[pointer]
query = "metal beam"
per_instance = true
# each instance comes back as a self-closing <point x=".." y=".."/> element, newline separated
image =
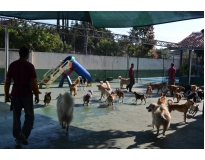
<point x="91" y="32"/>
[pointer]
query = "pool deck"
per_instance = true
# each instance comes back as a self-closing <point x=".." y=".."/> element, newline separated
<point x="127" y="126"/>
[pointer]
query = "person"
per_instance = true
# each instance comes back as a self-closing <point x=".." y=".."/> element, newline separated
<point x="25" y="81"/>
<point x="171" y="75"/>
<point x="132" y="79"/>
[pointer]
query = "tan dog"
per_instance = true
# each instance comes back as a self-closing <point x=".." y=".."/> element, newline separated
<point x="180" y="107"/>
<point x="158" y="86"/>
<point x="104" y="89"/>
<point x="160" y="116"/>
<point x="124" y="81"/>
<point x="149" y="91"/>
<point x="111" y="98"/>
<point x="120" y="94"/>
<point x="73" y="89"/>
<point x="140" y="96"/>
<point x="161" y="100"/>
<point x="178" y="96"/>
<point x="174" y="88"/>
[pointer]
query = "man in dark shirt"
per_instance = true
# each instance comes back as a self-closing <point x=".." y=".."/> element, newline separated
<point x="131" y="76"/>
<point x="25" y="80"/>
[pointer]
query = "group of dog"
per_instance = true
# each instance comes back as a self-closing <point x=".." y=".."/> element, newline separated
<point x="161" y="114"/>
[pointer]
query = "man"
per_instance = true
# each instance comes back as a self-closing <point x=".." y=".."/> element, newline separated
<point x="131" y="76"/>
<point x="171" y="75"/>
<point x="25" y="80"/>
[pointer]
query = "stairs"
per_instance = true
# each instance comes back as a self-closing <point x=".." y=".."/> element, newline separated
<point x="50" y="76"/>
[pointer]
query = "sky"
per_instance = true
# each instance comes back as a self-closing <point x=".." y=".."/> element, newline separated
<point x="170" y="32"/>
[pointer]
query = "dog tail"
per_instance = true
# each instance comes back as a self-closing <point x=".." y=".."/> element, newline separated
<point x="170" y="101"/>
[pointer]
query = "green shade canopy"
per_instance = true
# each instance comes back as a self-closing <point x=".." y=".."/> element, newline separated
<point x="110" y="19"/>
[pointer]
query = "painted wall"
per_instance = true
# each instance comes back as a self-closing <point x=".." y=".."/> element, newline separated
<point x="98" y="66"/>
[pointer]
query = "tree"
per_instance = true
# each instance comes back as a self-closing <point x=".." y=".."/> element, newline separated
<point x="143" y="50"/>
<point x="163" y="53"/>
<point x="41" y="38"/>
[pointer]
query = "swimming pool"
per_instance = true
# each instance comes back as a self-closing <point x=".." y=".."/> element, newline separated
<point x="158" y="79"/>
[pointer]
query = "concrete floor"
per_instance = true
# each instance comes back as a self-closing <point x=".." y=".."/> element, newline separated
<point x="127" y="126"/>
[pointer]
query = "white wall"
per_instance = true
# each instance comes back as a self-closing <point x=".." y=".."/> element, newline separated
<point x="43" y="60"/>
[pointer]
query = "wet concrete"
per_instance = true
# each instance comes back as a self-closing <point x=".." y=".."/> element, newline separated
<point x="127" y="126"/>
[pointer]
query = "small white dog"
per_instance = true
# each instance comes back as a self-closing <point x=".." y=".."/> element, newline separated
<point x="83" y="83"/>
<point x="65" y="110"/>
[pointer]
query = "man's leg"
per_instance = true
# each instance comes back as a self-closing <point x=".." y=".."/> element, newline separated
<point x="131" y="84"/>
<point x="17" y="107"/>
<point x="29" y="116"/>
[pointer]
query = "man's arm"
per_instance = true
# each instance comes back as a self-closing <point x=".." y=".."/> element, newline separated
<point x="34" y="86"/>
<point x="6" y="89"/>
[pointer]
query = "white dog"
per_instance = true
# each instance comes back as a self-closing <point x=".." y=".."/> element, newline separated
<point x="83" y="83"/>
<point x="65" y="110"/>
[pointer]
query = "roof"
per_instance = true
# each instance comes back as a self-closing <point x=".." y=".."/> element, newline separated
<point x="194" y="41"/>
<point x="110" y="19"/>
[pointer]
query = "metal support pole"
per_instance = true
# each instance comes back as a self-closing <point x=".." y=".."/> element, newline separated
<point x="6" y="50"/>
<point x="190" y="62"/>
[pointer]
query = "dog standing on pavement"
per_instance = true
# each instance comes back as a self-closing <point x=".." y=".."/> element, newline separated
<point x="83" y="82"/>
<point x="87" y="97"/>
<point x="139" y="96"/>
<point x="160" y="116"/>
<point x="124" y="81"/>
<point x="180" y="107"/>
<point x="120" y="94"/>
<point x="149" y="91"/>
<point x="47" y="98"/>
<point x="65" y="109"/>
<point x="178" y="96"/>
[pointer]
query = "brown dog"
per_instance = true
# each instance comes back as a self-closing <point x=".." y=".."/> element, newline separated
<point x="180" y="107"/>
<point x="120" y="94"/>
<point x="160" y="116"/>
<point x="178" y="96"/>
<point x="174" y="88"/>
<point x="161" y="100"/>
<point x="111" y="98"/>
<point x="73" y="89"/>
<point x="158" y="86"/>
<point x="140" y="96"/>
<point x="149" y="91"/>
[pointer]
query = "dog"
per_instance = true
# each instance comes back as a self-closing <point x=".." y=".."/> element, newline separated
<point x="161" y="100"/>
<point x="87" y="97"/>
<point x="139" y="96"/>
<point x="120" y="94"/>
<point x="65" y="109"/>
<point x="174" y="89"/>
<point x="194" y="96"/>
<point x="105" y="89"/>
<point x="47" y="98"/>
<point x="111" y="98"/>
<point x="180" y="107"/>
<point x="158" y="86"/>
<point x="149" y="91"/>
<point x="73" y="89"/>
<point x="83" y="82"/>
<point x="194" y="109"/>
<point x="124" y="81"/>
<point x="160" y="117"/>
<point x="178" y="96"/>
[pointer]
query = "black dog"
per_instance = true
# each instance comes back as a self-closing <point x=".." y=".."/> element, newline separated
<point x="47" y="98"/>
<point x="82" y="83"/>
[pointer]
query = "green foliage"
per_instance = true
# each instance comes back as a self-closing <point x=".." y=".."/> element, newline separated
<point x="163" y="53"/>
<point x="40" y="38"/>
<point x="184" y="68"/>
